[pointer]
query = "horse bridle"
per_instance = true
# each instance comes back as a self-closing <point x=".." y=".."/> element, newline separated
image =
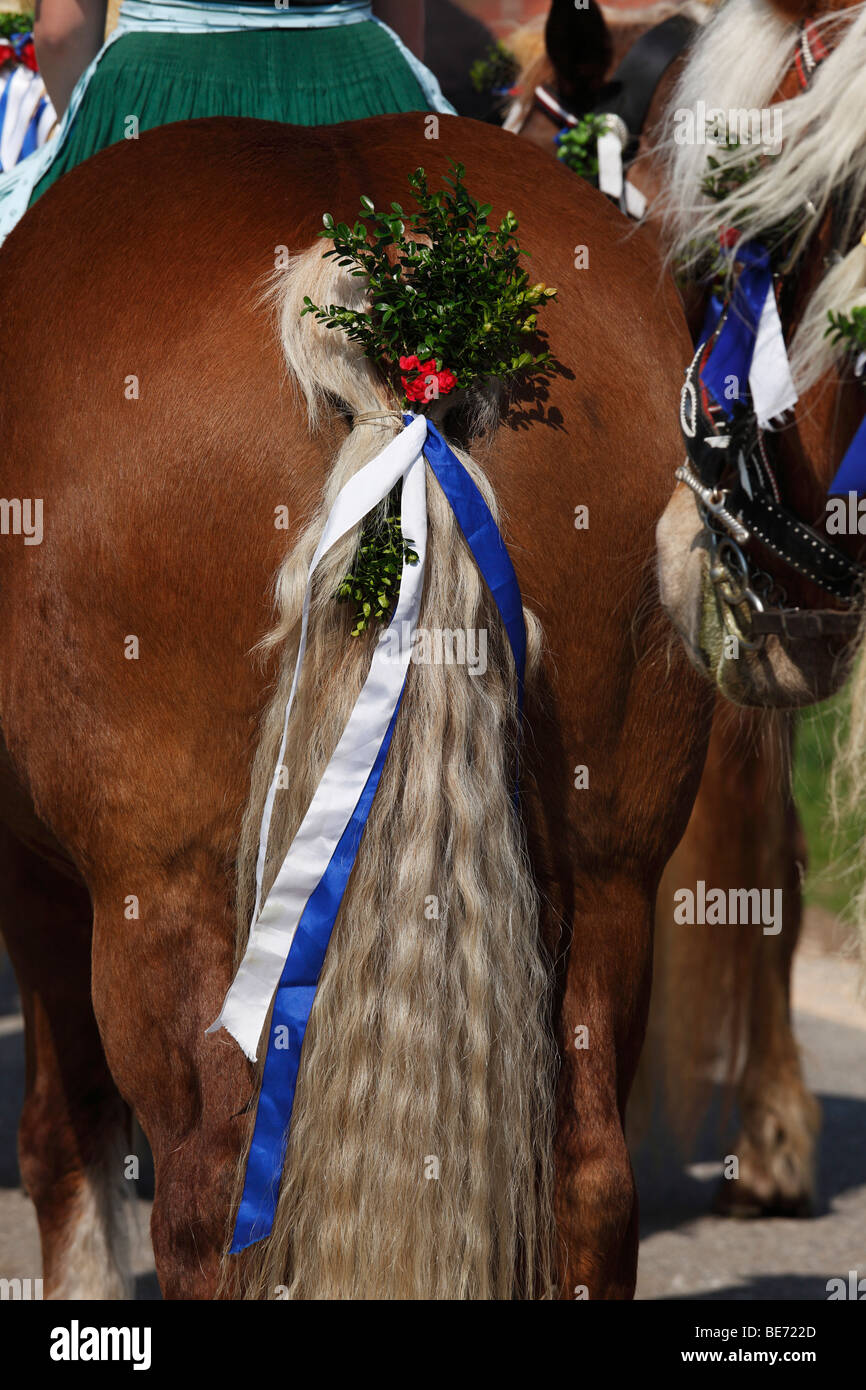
<point x="750" y="507"/>
<point x="629" y="93"/>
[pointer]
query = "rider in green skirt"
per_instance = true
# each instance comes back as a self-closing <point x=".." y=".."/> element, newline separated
<point x="307" y="64"/>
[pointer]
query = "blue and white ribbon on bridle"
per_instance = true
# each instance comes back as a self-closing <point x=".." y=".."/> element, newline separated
<point x="751" y="345"/>
<point x="291" y="929"/>
<point x="851" y="474"/>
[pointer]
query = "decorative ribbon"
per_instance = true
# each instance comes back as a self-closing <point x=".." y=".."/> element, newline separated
<point x="751" y="344"/>
<point x="275" y="922"/>
<point x="26" y="115"/>
<point x="609" y="148"/>
<point x="301" y="938"/>
<point x="851" y="476"/>
<point x="485" y="541"/>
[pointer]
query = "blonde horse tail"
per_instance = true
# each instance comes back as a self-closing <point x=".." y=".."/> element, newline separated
<point x="419" y="1161"/>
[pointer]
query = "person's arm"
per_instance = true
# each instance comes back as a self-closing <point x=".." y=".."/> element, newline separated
<point x="67" y="35"/>
<point x="406" y="18"/>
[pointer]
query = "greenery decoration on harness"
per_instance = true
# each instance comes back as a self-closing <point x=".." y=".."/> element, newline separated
<point x="848" y="329"/>
<point x="577" y="145"/>
<point x="450" y="306"/>
<point x="708" y="261"/>
<point x="723" y="177"/>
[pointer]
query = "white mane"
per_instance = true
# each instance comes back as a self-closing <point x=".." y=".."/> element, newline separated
<point x="738" y="63"/>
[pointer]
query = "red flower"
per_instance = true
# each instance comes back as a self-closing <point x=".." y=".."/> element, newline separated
<point x="426" y="383"/>
<point x="27" y="55"/>
<point x="728" y="237"/>
<point x="447" y="381"/>
<point x="21" y="50"/>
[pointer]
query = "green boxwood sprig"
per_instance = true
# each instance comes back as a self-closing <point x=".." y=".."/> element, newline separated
<point x="459" y="299"/>
<point x="460" y="296"/>
<point x="849" y="329"/>
<point x="496" y="71"/>
<point x="374" y="581"/>
<point x="577" y="147"/>
<point x="15" y="24"/>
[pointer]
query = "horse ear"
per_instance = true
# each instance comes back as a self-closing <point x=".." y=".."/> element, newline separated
<point x="580" y="48"/>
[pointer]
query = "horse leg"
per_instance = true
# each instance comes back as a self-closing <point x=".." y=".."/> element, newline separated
<point x="74" y="1128"/>
<point x="606" y="849"/>
<point x="724" y="989"/>
<point x="596" y="1204"/>
<point x="158" y="982"/>
<point x="780" y="1118"/>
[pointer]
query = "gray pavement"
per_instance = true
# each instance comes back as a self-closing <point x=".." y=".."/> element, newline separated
<point x="687" y="1253"/>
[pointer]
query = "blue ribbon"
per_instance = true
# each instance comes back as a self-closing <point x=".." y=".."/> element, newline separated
<point x="715" y="308"/>
<point x="484" y="540"/>
<point x="851" y="476"/>
<point x="31" y="135"/>
<point x="296" y="991"/>
<point x="4" y="99"/>
<point x="734" y="348"/>
<point x="292" y="1005"/>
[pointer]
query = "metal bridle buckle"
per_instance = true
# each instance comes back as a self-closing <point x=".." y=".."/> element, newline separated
<point x="713" y="499"/>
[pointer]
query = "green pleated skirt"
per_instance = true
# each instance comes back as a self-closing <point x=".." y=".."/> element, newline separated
<point x="300" y="76"/>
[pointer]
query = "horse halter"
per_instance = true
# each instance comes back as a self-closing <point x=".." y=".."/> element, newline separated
<point x="750" y="508"/>
<point x="730" y="473"/>
<point x="628" y="95"/>
<point x="629" y="92"/>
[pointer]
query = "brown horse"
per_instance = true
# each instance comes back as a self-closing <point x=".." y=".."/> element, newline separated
<point x="806" y="659"/>
<point x="762" y="57"/>
<point x="167" y="440"/>
<point x="721" y="992"/>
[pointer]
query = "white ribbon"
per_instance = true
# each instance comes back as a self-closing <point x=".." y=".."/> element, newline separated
<point x="26" y="101"/>
<point x="609" y="148"/>
<point x="247" y="1002"/>
<point x="770" y="380"/>
<point x="635" y="201"/>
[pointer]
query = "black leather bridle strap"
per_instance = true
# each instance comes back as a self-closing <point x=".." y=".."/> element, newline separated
<point x="766" y="520"/>
<point x="795" y="542"/>
<point x="634" y="83"/>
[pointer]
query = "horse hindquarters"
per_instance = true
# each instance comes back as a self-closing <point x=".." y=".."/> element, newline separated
<point x="135" y="700"/>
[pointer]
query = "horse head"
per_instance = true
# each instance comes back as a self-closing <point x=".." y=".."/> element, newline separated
<point x="759" y="573"/>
